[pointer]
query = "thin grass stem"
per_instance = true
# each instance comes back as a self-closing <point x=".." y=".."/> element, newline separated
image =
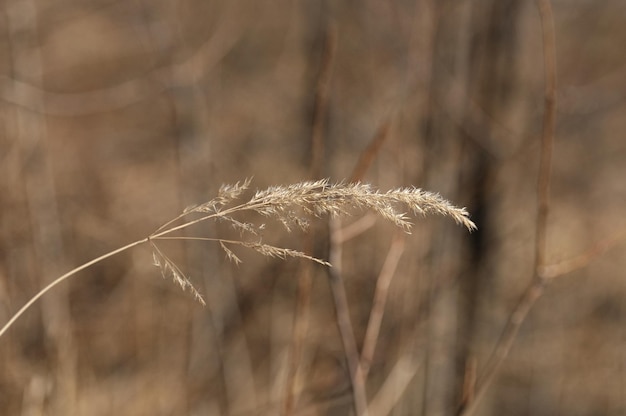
<point x="65" y="277"/>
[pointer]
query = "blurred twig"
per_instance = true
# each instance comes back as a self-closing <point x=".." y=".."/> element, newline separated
<point x="369" y="154"/>
<point x="305" y="275"/>
<point x="356" y="228"/>
<point x="343" y="321"/>
<point x="300" y="327"/>
<point x="31" y="134"/>
<point x="337" y="236"/>
<point x="536" y="287"/>
<point x="363" y="164"/>
<point x="380" y="300"/>
<point x="554" y="270"/>
<point x="394" y="386"/>
<point x="355" y="360"/>
<point x="322" y="91"/>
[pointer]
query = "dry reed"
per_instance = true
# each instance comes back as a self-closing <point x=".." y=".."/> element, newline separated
<point x="291" y="205"/>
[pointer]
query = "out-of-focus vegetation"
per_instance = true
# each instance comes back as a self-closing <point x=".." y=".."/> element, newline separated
<point x="116" y="115"/>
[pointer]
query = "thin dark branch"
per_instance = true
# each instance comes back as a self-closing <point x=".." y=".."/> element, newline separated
<point x="322" y="93"/>
<point x="551" y="271"/>
<point x="537" y="285"/>
<point x="371" y="151"/>
<point x="305" y="275"/>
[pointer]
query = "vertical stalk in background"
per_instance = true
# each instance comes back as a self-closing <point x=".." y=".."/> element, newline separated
<point x="30" y="132"/>
<point x="305" y="274"/>
<point x="344" y="323"/>
<point x="547" y="135"/>
<point x="380" y="300"/>
<point x="536" y="287"/>
<point x="357" y="363"/>
<point x="444" y="144"/>
<point x="194" y="146"/>
<point x="320" y="109"/>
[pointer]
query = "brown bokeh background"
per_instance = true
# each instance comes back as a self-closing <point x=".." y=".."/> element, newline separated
<point x="116" y="115"/>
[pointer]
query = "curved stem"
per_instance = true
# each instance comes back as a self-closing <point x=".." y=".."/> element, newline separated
<point x="64" y="277"/>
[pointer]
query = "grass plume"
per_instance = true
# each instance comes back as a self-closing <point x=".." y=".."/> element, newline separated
<point x="290" y="205"/>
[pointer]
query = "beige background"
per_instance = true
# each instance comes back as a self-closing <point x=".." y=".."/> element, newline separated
<point x="116" y="115"/>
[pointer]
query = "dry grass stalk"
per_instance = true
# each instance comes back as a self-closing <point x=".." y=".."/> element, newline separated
<point x="291" y="205"/>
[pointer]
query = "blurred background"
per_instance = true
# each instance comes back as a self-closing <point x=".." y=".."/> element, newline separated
<point x="116" y="115"/>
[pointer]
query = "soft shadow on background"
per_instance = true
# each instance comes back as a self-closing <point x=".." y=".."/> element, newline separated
<point x="116" y="115"/>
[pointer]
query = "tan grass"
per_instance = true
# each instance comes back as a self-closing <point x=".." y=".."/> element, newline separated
<point x="291" y="205"/>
